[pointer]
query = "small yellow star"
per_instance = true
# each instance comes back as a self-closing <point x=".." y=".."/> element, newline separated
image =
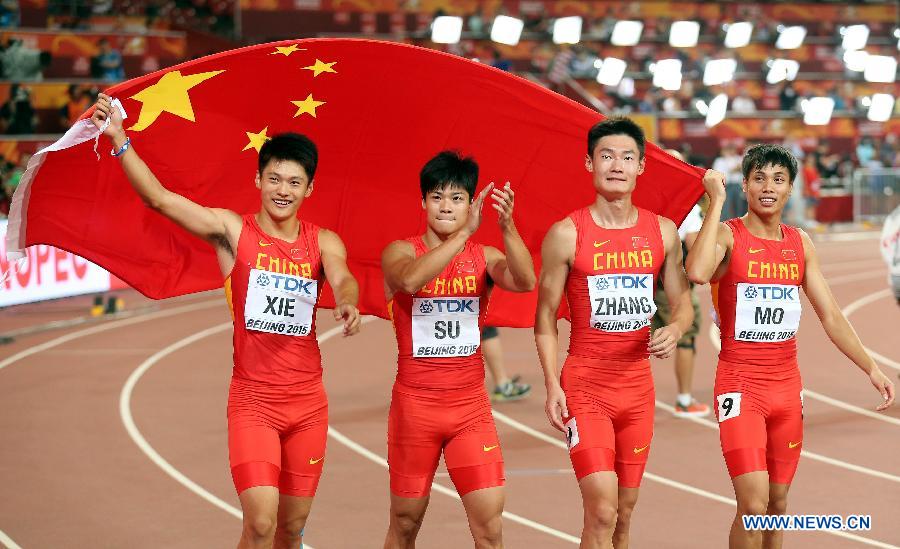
<point x="307" y="106"/>
<point x="286" y="50"/>
<point x="321" y="67"/>
<point x="256" y="139"/>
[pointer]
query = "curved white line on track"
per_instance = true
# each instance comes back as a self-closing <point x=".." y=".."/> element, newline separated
<point x="8" y="541"/>
<point x="859" y="304"/>
<point x="503" y="418"/>
<point x="159" y="461"/>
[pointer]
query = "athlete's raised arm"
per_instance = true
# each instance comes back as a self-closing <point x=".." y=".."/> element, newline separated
<point x="708" y="258"/>
<point x="514" y="270"/>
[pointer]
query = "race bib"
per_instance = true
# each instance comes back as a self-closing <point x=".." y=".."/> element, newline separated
<point x="279" y="304"/>
<point x="445" y="327"/>
<point x="766" y="312"/>
<point x="621" y="302"/>
<point x="728" y="406"/>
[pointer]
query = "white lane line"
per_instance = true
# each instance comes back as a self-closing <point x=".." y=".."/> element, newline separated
<point x="108" y="326"/>
<point x="843" y="279"/>
<point x="805" y="453"/>
<point x="675" y="484"/>
<point x="8" y="541"/>
<point x="859" y="304"/>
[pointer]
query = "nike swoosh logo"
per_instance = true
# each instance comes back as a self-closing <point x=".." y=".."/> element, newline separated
<point x="314" y="461"/>
<point x="598" y="244"/>
<point x="489" y="448"/>
<point x="264" y="244"/>
<point x="752" y="251"/>
<point x="639" y="450"/>
<point x="793" y="445"/>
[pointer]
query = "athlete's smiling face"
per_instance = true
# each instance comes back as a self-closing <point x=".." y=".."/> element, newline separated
<point x="283" y="185"/>
<point x="768" y="189"/>
<point x="447" y="209"/>
<point x="615" y="164"/>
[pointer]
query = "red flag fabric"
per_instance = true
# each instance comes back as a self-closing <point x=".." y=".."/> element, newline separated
<point x="377" y="111"/>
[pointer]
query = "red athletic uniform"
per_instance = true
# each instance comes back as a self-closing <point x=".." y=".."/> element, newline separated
<point x="606" y="377"/>
<point x="277" y="408"/>
<point x="758" y="389"/>
<point x="439" y="401"/>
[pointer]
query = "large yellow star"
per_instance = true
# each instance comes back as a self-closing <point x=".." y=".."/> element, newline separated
<point x="256" y="139"/>
<point x="170" y="95"/>
<point x="307" y="106"/>
<point x="286" y="50"/>
<point x="321" y="67"/>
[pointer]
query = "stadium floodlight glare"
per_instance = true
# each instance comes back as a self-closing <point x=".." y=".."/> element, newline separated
<point x="719" y="71"/>
<point x="855" y="37"/>
<point x="684" y="34"/>
<point x="446" y="29"/>
<point x="737" y="35"/>
<point x="567" y="30"/>
<point x="626" y="33"/>
<point x="782" y="69"/>
<point x="717" y="109"/>
<point x="880" y="68"/>
<point x="817" y="111"/>
<point x="506" y="30"/>
<point x="701" y="106"/>
<point x="667" y="74"/>
<point x="855" y="60"/>
<point x="790" y="38"/>
<point x="881" y="107"/>
<point x="611" y="71"/>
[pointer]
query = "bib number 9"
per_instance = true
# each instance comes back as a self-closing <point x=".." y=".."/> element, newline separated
<point x="728" y="406"/>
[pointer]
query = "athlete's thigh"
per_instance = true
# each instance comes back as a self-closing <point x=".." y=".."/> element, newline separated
<point x="634" y="432"/>
<point x="742" y="417"/>
<point x="415" y="437"/>
<point x="472" y="452"/>
<point x="785" y="434"/>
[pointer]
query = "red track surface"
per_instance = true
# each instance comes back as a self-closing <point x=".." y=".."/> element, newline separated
<point x="73" y="476"/>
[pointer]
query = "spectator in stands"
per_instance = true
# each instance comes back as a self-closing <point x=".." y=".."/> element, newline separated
<point x="865" y="153"/>
<point x="729" y="163"/>
<point x="583" y="64"/>
<point x="888" y="152"/>
<point x="9" y="13"/>
<point x="826" y="163"/>
<point x="787" y="97"/>
<point x="670" y="102"/>
<point x="839" y="103"/>
<point x="812" y="184"/>
<point x="498" y="62"/>
<point x="22" y="63"/>
<point x="18" y="116"/>
<point x="77" y="101"/>
<point x="648" y="102"/>
<point x="107" y="64"/>
<point x="743" y="103"/>
<point x="558" y="71"/>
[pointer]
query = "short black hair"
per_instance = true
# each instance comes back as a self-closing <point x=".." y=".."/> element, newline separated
<point x="616" y="125"/>
<point x="290" y="146"/>
<point x="764" y="154"/>
<point x="449" y="168"/>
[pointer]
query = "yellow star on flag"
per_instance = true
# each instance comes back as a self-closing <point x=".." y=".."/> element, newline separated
<point x="307" y="106"/>
<point x="256" y="139"/>
<point x="321" y="67"/>
<point x="169" y="95"/>
<point x="286" y="50"/>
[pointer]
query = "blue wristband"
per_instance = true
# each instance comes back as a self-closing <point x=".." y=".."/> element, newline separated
<point x="122" y="150"/>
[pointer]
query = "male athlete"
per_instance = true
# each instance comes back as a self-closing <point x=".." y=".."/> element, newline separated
<point x="757" y="265"/>
<point x="438" y="285"/>
<point x="273" y="264"/>
<point x="606" y="258"/>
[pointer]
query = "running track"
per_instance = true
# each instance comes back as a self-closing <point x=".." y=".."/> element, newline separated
<point x="113" y="434"/>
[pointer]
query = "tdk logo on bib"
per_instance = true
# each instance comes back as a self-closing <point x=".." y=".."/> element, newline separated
<point x="623" y="282"/>
<point x="303" y="286"/>
<point x="441" y="306"/>
<point x="771" y="293"/>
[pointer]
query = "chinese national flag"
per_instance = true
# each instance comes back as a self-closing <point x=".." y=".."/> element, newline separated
<point x="377" y="111"/>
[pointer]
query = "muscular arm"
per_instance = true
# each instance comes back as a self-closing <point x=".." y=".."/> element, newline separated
<point x="515" y="270"/>
<point x="836" y="324"/>
<point x="218" y="226"/>
<point x="675" y="285"/>
<point x="404" y="272"/>
<point x="557" y="255"/>
<point x="342" y="281"/>
<point x="708" y="257"/>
